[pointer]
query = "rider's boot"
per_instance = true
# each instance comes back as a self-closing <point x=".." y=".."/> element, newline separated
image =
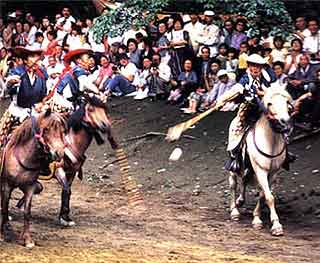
<point x="290" y="158"/>
<point x="233" y="164"/>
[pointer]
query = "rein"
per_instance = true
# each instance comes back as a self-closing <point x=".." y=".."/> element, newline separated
<point x="262" y="152"/>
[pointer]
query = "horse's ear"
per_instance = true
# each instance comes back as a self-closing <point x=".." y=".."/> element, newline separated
<point x="47" y="113"/>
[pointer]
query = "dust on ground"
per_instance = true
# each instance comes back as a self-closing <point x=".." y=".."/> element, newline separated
<point x="187" y="216"/>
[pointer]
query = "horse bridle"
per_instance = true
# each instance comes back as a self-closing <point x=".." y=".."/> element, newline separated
<point x="270" y="116"/>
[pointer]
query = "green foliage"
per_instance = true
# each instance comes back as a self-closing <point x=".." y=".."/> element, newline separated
<point x="271" y="14"/>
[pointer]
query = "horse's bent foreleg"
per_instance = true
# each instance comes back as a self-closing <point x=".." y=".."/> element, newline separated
<point x="64" y="217"/>
<point x="5" y="198"/>
<point x="262" y="178"/>
<point x="234" y="212"/>
<point x="26" y="235"/>
<point x="242" y="196"/>
<point x="38" y="189"/>
<point x="257" y="222"/>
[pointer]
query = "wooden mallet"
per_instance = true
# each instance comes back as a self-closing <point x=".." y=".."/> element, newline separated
<point x="175" y="132"/>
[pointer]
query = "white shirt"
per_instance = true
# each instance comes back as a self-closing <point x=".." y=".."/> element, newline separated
<point x="194" y="31"/>
<point x="164" y="71"/>
<point x="209" y="35"/>
<point x="312" y="43"/>
<point x="32" y="35"/>
<point x="130" y="70"/>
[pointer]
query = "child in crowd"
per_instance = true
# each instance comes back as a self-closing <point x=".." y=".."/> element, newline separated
<point x="232" y="61"/>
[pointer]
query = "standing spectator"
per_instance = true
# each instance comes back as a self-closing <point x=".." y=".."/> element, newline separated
<point x="209" y="35"/>
<point x="194" y="27"/>
<point x="64" y="23"/>
<point x="238" y="36"/>
<point x="18" y="37"/>
<point x="226" y="32"/>
<point x="179" y="42"/>
<point x="162" y="43"/>
<point x="131" y="33"/>
<point x="7" y="34"/>
<point x="311" y="44"/>
<point x="292" y="59"/>
<point x="301" y="28"/>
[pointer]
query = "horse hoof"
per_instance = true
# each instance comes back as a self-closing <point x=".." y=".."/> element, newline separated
<point x="66" y="223"/>
<point x="257" y="226"/>
<point x="235" y="215"/>
<point x="29" y="244"/>
<point x="277" y="232"/>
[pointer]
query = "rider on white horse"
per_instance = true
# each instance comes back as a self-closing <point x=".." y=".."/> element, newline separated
<point x="253" y="84"/>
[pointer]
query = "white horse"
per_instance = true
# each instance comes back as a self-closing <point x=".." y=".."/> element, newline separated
<point x="265" y="146"/>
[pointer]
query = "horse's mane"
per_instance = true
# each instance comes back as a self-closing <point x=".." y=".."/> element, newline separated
<point x="274" y="89"/>
<point x="25" y="131"/>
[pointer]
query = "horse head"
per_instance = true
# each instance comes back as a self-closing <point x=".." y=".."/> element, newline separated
<point x="50" y="134"/>
<point x="96" y="113"/>
<point x="278" y="104"/>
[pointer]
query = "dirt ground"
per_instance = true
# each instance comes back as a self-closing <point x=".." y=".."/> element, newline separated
<point x="187" y="217"/>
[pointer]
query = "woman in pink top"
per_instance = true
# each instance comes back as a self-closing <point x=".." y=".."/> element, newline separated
<point x="105" y="71"/>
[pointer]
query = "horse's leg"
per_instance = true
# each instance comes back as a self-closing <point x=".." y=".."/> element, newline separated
<point x="234" y="212"/>
<point x="242" y="196"/>
<point x="64" y="217"/>
<point x="5" y="198"/>
<point x="38" y="190"/>
<point x="262" y="178"/>
<point x="26" y="235"/>
<point x="257" y="222"/>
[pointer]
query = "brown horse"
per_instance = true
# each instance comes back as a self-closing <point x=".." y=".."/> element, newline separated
<point x="32" y="146"/>
<point x="91" y="120"/>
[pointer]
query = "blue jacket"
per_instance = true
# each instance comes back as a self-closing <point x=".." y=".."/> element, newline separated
<point x="28" y="94"/>
<point x="71" y="78"/>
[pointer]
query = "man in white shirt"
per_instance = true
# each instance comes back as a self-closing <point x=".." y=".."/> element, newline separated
<point x="125" y="80"/>
<point x="209" y="35"/>
<point x="301" y="28"/>
<point x="194" y="27"/>
<point x="64" y="23"/>
<point x="311" y="44"/>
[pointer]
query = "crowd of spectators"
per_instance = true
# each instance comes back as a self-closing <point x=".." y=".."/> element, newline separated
<point x="187" y="60"/>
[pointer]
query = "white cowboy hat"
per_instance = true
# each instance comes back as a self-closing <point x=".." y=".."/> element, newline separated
<point x="222" y="72"/>
<point x="256" y="59"/>
<point x="209" y="13"/>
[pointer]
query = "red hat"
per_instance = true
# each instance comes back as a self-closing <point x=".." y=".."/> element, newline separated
<point x="24" y="52"/>
<point x="76" y="52"/>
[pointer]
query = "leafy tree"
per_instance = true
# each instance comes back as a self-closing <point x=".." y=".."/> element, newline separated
<point x="259" y="13"/>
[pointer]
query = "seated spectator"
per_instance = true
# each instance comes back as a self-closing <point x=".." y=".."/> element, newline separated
<point x="222" y="55"/>
<point x="202" y="64"/>
<point x="146" y="48"/>
<point x="37" y="44"/>
<point x="293" y="57"/>
<point x="232" y="61"/>
<point x="124" y="80"/>
<point x="223" y="84"/>
<point x="105" y="71"/>
<point x="278" y="68"/>
<point x="159" y="79"/>
<point x="134" y="53"/>
<point x="212" y="78"/>
<point x="308" y="106"/>
<point x="144" y="75"/>
<point x="186" y="82"/>
<point x="243" y="56"/>
<point x="18" y="36"/>
<point x="278" y="53"/>
<point x="305" y="72"/>
<point x="268" y="56"/>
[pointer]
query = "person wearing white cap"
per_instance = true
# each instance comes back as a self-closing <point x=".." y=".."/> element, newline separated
<point x="209" y="35"/>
